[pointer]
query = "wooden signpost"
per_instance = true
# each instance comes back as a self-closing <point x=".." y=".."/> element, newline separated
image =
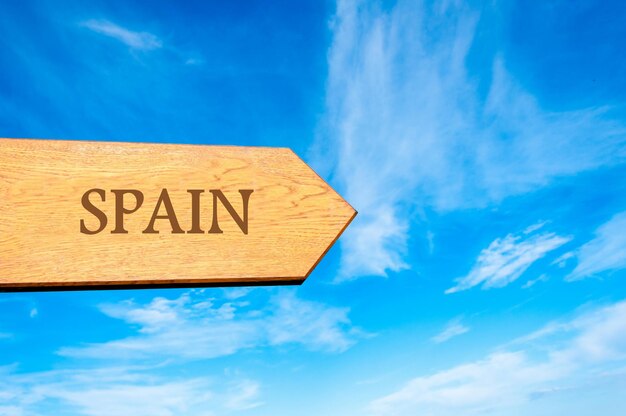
<point x="80" y="215"/>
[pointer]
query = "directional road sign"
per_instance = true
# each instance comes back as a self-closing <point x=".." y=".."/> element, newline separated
<point x="76" y="215"/>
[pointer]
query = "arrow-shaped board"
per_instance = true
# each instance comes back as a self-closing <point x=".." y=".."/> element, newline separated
<point x="79" y="214"/>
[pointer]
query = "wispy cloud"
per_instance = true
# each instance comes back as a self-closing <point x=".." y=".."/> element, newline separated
<point x="407" y="127"/>
<point x="244" y="396"/>
<point x="194" y="61"/>
<point x="454" y="328"/>
<point x="561" y="261"/>
<point x="506" y="259"/>
<point x="562" y="356"/>
<point x="135" y="40"/>
<point x="221" y="327"/>
<point x="532" y="282"/>
<point x="606" y="252"/>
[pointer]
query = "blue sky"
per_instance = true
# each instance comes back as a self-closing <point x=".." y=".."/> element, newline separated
<point x="483" y="144"/>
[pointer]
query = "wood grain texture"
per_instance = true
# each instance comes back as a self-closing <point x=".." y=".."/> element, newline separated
<point x="294" y="216"/>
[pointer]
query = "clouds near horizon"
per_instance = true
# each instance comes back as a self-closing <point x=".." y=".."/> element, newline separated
<point x="123" y="390"/>
<point x="562" y="356"/>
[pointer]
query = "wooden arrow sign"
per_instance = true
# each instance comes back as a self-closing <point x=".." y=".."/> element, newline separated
<point x="79" y="214"/>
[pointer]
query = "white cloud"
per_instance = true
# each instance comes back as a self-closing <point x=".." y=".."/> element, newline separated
<point x="194" y="61"/>
<point x="501" y="379"/>
<point x="561" y="356"/>
<point x="135" y="40"/>
<point x="452" y="329"/>
<point x="244" y="396"/>
<point x="606" y="252"/>
<point x="561" y="261"/>
<point x="314" y="325"/>
<point x="407" y="127"/>
<point x="532" y="282"/>
<point x="165" y="399"/>
<point x="507" y="258"/>
<point x="122" y="391"/>
<point x="236" y="292"/>
<point x="220" y="328"/>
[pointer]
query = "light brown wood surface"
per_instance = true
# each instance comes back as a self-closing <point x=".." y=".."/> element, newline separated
<point x="294" y="216"/>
